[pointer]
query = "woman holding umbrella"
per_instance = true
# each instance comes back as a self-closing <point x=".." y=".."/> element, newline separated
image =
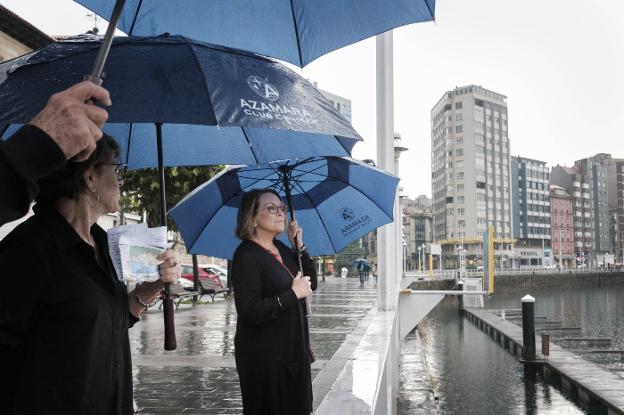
<point x="64" y="313"/>
<point x="272" y="349"/>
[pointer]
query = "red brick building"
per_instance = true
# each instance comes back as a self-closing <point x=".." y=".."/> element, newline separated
<point x="562" y="227"/>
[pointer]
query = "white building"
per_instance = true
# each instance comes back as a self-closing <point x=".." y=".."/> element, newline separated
<point x="470" y="164"/>
<point x="341" y="104"/>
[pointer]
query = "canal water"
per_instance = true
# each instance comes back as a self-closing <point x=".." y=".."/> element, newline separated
<point x="471" y="374"/>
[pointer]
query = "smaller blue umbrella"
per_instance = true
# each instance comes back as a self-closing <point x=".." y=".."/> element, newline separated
<point x="337" y="200"/>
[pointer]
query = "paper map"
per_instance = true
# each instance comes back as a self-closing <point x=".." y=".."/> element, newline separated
<point x="134" y="248"/>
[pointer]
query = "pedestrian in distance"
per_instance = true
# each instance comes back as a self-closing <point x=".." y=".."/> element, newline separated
<point x="361" y="267"/>
<point x="272" y="349"/>
<point x="68" y="127"/>
<point x="64" y="312"/>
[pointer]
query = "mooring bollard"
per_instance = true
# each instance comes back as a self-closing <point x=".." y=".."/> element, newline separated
<point x="528" y="328"/>
<point x="460" y="298"/>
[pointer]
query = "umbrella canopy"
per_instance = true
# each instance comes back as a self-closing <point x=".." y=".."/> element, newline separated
<point x="296" y="31"/>
<point x="337" y="200"/>
<point x="222" y="105"/>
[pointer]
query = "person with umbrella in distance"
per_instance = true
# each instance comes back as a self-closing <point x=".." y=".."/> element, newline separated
<point x="272" y="349"/>
<point x="64" y="313"/>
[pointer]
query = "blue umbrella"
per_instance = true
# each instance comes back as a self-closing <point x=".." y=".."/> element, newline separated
<point x="296" y="31"/>
<point x="337" y="200"/>
<point x="172" y="79"/>
<point x="221" y="105"/>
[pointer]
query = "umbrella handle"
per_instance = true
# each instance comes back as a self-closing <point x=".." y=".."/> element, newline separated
<point x="98" y="66"/>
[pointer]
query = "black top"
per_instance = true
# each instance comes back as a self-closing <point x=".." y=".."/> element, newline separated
<point x="64" y="321"/>
<point x="271" y="343"/>
<point x="27" y="156"/>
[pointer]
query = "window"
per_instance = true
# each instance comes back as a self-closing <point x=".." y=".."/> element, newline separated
<point x="460" y="176"/>
<point x="459" y="140"/>
<point x="460" y="187"/>
<point x="460" y="211"/>
<point x="459" y="152"/>
<point x="459" y="128"/>
<point x="458" y="105"/>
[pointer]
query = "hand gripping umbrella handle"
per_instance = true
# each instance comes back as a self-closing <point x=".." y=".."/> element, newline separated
<point x="286" y="179"/>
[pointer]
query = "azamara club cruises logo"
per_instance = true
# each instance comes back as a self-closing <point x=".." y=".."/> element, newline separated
<point x="263" y="88"/>
<point x="353" y="223"/>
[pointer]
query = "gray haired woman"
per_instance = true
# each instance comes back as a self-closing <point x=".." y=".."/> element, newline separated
<point x="64" y="313"/>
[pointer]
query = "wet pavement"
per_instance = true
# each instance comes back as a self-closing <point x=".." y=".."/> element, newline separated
<point x="199" y="377"/>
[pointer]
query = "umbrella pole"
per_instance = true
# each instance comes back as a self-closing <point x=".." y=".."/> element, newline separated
<point x="98" y="66"/>
<point x="170" y="336"/>
<point x="292" y="217"/>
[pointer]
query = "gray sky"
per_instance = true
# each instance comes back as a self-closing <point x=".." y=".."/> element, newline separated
<point x="559" y="62"/>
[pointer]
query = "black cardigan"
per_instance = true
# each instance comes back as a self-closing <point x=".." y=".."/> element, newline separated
<point x="27" y="156"/>
<point x="272" y="339"/>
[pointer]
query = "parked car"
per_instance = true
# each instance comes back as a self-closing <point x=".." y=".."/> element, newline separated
<point x="218" y="270"/>
<point x="204" y="274"/>
<point x="581" y="266"/>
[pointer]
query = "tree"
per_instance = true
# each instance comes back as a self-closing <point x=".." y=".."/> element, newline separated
<point x="141" y="190"/>
<point x="349" y="254"/>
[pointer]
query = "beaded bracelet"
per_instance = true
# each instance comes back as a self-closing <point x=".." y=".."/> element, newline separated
<point x="142" y="302"/>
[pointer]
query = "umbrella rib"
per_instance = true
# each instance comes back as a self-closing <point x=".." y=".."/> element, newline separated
<point x="136" y="14"/>
<point x="253" y="152"/>
<point x="318" y="214"/>
<point x="292" y="10"/>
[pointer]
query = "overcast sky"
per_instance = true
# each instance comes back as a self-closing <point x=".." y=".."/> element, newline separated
<point x="559" y="62"/>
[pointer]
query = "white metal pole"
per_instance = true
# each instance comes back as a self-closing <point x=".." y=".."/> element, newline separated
<point x="387" y="288"/>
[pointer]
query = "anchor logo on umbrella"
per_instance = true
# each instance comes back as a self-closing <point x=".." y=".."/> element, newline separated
<point x="263" y="88"/>
<point x="347" y="214"/>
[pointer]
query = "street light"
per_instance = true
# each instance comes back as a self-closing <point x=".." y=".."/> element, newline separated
<point x="424" y="255"/>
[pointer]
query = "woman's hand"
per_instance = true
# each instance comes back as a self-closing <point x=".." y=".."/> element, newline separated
<point x="294" y="231"/>
<point x="301" y="286"/>
<point x="169" y="269"/>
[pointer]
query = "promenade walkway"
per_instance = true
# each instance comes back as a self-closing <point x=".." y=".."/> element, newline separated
<point x="200" y="377"/>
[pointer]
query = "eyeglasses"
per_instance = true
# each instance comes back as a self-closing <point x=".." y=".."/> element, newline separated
<point x="274" y="209"/>
<point x="120" y="169"/>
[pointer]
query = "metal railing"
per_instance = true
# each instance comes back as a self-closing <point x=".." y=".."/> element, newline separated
<point x="447" y="274"/>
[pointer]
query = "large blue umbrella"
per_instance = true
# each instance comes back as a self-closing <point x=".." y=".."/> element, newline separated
<point x="337" y="200"/>
<point x="172" y="79"/>
<point x="215" y="105"/>
<point x="296" y="31"/>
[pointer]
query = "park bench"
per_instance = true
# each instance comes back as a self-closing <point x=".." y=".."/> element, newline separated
<point x="211" y="288"/>
<point x="178" y="294"/>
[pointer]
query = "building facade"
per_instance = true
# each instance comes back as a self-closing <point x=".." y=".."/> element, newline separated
<point x="470" y="165"/>
<point x="417" y="232"/>
<point x="531" y="207"/>
<point x="340" y="104"/>
<point x="615" y="190"/>
<point x="587" y="181"/>
<point x="17" y="36"/>
<point x="562" y="227"/>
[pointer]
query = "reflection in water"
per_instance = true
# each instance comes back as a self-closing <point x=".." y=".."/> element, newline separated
<point x="475" y="376"/>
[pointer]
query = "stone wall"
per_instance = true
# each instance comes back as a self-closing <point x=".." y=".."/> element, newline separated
<point x="506" y="282"/>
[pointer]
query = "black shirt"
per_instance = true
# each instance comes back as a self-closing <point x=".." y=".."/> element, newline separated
<point x="27" y="156"/>
<point x="64" y="321"/>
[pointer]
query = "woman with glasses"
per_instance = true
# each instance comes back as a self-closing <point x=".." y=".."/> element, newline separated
<point x="272" y="348"/>
<point x="64" y="312"/>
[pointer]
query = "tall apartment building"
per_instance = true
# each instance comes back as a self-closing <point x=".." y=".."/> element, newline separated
<point x="615" y="190"/>
<point x="562" y="227"/>
<point x="531" y="207"/>
<point x="470" y="164"/>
